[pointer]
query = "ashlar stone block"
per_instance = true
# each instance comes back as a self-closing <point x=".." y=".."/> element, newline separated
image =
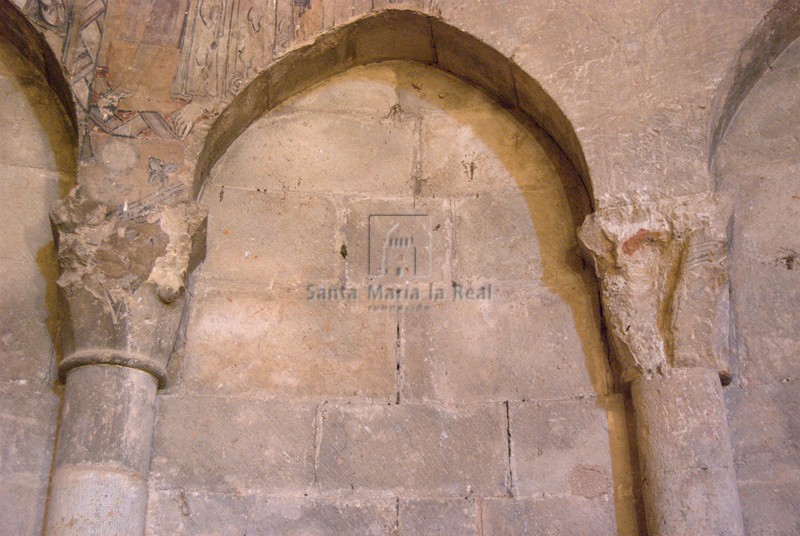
<point x="181" y="512"/>
<point x="561" y="448"/>
<point x="573" y="516"/>
<point x="439" y="517"/>
<point x="516" y="345"/>
<point x="287" y="239"/>
<point x="233" y="445"/>
<point x="296" y="152"/>
<point x="450" y="451"/>
<point x="323" y="517"/>
<point x="28" y="421"/>
<point x="283" y="344"/>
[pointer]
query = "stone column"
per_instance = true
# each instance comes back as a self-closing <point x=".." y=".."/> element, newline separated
<point x="121" y="291"/>
<point x="665" y="297"/>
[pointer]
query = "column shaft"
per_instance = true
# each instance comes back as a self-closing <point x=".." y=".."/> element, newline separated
<point x="685" y="454"/>
<point x="99" y="485"/>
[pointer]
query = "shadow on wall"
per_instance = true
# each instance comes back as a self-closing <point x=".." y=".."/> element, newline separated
<point x="38" y="146"/>
<point x="44" y="121"/>
<point x="38" y="157"/>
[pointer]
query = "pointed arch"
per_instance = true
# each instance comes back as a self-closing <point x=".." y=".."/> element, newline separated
<point x="385" y="36"/>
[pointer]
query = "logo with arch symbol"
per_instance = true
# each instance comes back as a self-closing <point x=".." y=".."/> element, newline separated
<point x="400" y="246"/>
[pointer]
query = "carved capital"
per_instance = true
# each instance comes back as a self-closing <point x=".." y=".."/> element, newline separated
<point x="664" y="280"/>
<point x="123" y="270"/>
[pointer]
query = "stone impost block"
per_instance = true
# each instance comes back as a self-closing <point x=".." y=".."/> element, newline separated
<point x="123" y="270"/>
<point x="664" y="282"/>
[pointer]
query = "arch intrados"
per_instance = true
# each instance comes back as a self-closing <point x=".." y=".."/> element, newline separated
<point x="776" y="31"/>
<point x="387" y="36"/>
<point x="32" y="45"/>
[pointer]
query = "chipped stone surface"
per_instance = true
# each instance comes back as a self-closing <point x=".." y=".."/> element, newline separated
<point x="664" y="282"/>
<point x="120" y="266"/>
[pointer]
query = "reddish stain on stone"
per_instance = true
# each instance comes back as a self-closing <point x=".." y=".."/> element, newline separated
<point x="642" y="236"/>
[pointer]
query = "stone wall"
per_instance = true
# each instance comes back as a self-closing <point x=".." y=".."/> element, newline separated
<point x="495" y="414"/>
<point x="758" y="162"/>
<point x="382" y="416"/>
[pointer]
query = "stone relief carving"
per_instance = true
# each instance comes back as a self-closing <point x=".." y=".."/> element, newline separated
<point x="664" y="282"/>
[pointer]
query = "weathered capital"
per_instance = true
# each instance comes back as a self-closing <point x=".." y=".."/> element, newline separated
<point x="664" y="281"/>
<point x="123" y="270"/>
